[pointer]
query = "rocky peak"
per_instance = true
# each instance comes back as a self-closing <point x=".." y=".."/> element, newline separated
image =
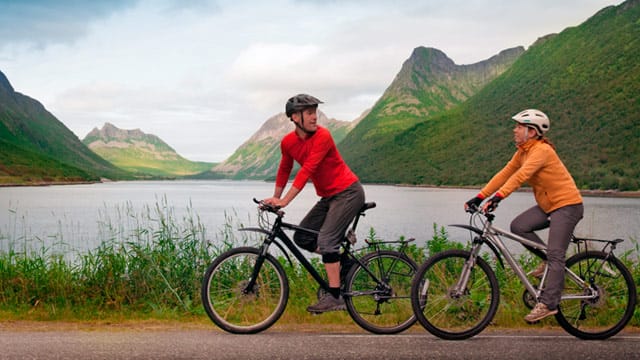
<point x="429" y="81"/>
<point x="110" y="135"/>
<point x="279" y="125"/>
<point x="5" y="85"/>
<point x="429" y="58"/>
<point x="111" y="132"/>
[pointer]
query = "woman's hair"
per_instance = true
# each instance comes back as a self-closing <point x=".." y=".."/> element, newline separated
<point x="546" y="140"/>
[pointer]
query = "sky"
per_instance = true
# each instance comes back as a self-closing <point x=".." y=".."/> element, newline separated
<point x="203" y="75"/>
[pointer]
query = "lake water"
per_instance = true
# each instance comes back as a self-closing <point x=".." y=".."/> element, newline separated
<point x="73" y="214"/>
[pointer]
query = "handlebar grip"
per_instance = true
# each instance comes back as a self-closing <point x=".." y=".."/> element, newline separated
<point x="267" y="207"/>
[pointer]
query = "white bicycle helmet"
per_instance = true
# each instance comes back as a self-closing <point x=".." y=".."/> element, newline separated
<point x="534" y="118"/>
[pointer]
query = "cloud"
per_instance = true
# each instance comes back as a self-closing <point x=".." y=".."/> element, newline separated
<point x="205" y="74"/>
<point x="40" y="22"/>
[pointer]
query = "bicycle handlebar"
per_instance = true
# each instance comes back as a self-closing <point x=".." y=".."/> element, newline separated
<point x="267" y="207"/>
<point x="473" y="209"/>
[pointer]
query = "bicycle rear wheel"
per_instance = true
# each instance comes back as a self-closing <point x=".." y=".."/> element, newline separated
<point x="234" y="307"/>
<point x="381" y="304"/>
<point x="608" y="313"/>
<point x="454" y="316"/>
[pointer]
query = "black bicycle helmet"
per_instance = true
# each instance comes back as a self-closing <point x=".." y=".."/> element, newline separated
<point x="299" y="103"/>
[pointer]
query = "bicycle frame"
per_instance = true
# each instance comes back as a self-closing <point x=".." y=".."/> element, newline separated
<point x="277" y="233"/>
<point x="492" y="235"/>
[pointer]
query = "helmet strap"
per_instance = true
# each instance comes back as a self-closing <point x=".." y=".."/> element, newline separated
<point x="301" y="124"/>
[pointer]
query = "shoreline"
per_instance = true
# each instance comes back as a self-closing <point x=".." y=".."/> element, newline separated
<point x="583" y="192"/>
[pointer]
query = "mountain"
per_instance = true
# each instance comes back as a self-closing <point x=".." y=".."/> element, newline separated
<point x="259" y="156"/>
<point x="428" y="83"/>
<point x="587" y="80"/>
<point x="35" y="147"/>
<point x="140" y="153"/>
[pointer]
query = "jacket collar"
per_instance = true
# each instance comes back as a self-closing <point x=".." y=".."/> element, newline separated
<point x="528" y="144"/>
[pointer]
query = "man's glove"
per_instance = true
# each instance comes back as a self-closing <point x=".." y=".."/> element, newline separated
<point x="492" y="203"/>
<point x="474" y="202"/>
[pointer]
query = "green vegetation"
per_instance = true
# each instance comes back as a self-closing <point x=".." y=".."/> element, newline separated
<point x="144" y="155"/>
<point x="37" y="148"/>
<point x="587" y="79"/>
<point x="428" y="84"/>
<point x="150" y="264"/>
<point x="21" y="166"/>
<point x="142" y="163"/>
<point x="438" y="123"/>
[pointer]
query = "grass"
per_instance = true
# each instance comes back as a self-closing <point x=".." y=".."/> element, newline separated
<point x="149" y="267"/>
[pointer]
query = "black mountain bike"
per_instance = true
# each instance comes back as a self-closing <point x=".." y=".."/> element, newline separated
<point x="455" y="293"/>
<point x="245" y="290"/>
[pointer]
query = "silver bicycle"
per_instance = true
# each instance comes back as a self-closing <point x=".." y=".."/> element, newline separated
<point x="455" y="293"/>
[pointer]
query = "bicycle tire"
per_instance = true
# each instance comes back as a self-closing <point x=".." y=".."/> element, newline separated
<point x="606" y="315"/>
<point x="225" y="300"/>
<point x="381" y="308"/>
<point x="445" y="316"/>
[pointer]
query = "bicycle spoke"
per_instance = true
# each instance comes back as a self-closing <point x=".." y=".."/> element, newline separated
<point x="611" y="301"/>
<point x="448" y="314"/>
<point x="235" y="307"/>
<point x="381" y="304"/>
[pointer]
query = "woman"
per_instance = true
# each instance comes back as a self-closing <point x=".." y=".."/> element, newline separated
<point x="559" y="204"/>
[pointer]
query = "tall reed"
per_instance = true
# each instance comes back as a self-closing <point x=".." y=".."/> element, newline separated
<point x="150" y="263"/>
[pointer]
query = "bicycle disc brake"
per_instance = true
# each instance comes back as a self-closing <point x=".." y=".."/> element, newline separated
<point x="597" y="301"/>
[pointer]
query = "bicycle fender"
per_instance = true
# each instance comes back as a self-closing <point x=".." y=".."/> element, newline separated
<point x="263" y="231"/>
<point x="468" y="227"/>
<point x="479" y="232"/>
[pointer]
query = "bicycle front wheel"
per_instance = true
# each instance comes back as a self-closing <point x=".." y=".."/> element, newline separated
<point x="454" y="315"/>
<point x="378" y="295"/>
<point x="607" y="313"/>
<point x="232" y="304"/>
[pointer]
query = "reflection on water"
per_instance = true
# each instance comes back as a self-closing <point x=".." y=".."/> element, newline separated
<point x="72" y="217"/>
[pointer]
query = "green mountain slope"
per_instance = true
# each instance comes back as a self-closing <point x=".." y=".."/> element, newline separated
<point x="35" y="147"/>
<point x="259" y="156"/>
<point x="428" y="84"/>
<point x="142" y="154"/>
<point x="587" y="79"/>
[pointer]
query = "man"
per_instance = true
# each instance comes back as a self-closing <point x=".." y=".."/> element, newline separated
<point x="559" y="203"/>
<point x="340" y="191"/>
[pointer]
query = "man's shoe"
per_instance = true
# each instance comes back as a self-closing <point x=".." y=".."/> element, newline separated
<point x="539" y="312"/>
<point x="327" y="303"/>
<point x="539" y="271"/>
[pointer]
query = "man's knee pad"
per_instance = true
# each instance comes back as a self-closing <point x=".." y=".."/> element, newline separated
<point x="306" y="241"/>
<point x="330" y="258"/>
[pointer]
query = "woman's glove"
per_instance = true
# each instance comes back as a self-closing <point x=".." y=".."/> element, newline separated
<point x="492" y="203"/>
<point x="473" y="203"/>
